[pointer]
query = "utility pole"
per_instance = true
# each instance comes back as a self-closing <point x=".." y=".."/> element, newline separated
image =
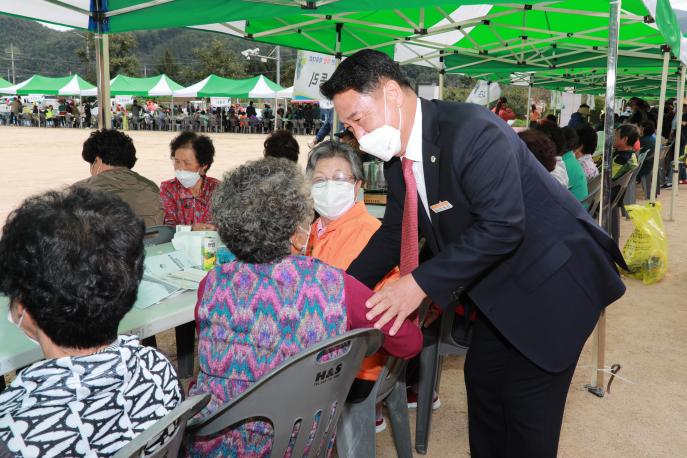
<point x="145" y="70"/>
<point x="14" y="76"/>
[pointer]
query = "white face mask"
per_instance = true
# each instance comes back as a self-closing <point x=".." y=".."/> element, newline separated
<point x="334" y="198"/>
<point x="186" y="178"/>
<point x="18" y="325"/>
<point x="383" y="142"/>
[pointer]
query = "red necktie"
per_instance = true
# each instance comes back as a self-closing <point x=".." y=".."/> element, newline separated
<point x="410" y="257"/>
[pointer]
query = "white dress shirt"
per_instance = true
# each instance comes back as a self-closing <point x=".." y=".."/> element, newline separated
<point x="414" y="153"/>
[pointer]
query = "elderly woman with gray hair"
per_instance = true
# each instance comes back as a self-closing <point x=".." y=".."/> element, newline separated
<point x="343" y="229"/>
<point x="269" y="304"/>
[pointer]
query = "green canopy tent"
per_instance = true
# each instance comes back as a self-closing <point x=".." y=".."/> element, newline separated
<point x="441" y="34"/>
<point x="212" y="86"/>
<point x="4" y="83"/>
<point x="37" y="84"/>
<point x="258" y="87"/>
<point x="153" y="86"/>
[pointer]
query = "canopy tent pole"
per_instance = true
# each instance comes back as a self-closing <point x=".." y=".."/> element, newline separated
<point x="335" y="116"/>
<point x="678" y="135"/>
<point x="599" y="336"/>
<point x="102" y="58"/>
<point x="529" y="100"/>
<point x="276" y="95"/>
<point x="102" y="55"/>
<point x="659" y="124"/>
<point x="488" y="93"/>
<point x="442" y="75"/>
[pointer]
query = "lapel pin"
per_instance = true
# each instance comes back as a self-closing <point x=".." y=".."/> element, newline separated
<point x="433" y="159"/>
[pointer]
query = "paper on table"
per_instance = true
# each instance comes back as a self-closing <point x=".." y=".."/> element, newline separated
<point x="168" y="267"/>
<point x="152" y="290"/>
<point x="191" y="274"/>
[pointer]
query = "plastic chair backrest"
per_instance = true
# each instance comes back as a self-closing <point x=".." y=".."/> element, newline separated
<point x="594" y="183"/>
<point x="180" y="415"/>
<point x="591" y="202"/>
<point x="618" y="187"/>
<point x="305" y="389"/>
<point x="392" y="371"/>
<point x="157" y="235"/>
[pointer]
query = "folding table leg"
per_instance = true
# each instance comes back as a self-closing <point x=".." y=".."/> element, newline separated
<point x="186" y="337"/>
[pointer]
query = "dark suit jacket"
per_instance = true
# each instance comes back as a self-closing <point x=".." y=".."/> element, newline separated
<point x="516" y="243"/>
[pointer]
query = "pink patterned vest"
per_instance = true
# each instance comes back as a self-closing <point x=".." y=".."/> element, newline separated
<point x="251" y="318"/>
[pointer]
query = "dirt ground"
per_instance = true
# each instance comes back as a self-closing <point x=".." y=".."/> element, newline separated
<point x="645" y="415"/>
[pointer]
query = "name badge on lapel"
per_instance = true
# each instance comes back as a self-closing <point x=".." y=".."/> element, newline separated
<point x="441" y="206"/>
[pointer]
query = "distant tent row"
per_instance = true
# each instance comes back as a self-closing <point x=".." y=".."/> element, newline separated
<point x="258" y="87"/>
<point x="37" y="84"/>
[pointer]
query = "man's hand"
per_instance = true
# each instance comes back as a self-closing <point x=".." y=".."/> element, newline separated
<point x="397" y="299"/>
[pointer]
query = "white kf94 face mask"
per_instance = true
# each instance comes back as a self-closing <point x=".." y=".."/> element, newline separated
<point x="383" y="142"/>
<point x="186" y="178"/>
<point x="333" y="198"/>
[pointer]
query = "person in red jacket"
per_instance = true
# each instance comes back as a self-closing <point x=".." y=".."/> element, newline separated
<point x="503" y="111"/>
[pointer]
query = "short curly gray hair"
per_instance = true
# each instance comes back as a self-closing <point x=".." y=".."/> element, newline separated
<point x="335" y="149"/>
<point x="258" y="206"/>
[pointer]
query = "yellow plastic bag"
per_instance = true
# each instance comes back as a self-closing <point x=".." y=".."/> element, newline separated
<point x="646" y="251"/>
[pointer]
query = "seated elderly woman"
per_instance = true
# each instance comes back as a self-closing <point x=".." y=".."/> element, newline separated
<point x="70" y="263"/>
<point x="343" y="229"/>
<point x="186" y="197"/>
<point x="585" y="150"/>
<point x="255" y="312"/>
<point x="111" y="155"/>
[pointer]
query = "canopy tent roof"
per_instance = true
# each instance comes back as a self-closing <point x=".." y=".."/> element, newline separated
<point x="129" y="15"/>
<point x="501" y="36"/>
<point x="258" y="87"/>
<point x="153" y="86"/>
<point x="37" y="84"/>
<point x="505" y="31"/>
<point x="4" y="83"/>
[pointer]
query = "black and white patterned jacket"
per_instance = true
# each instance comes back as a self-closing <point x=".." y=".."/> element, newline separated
<point x="88" y="406"/>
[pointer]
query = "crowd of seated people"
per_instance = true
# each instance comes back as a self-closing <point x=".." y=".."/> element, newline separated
<point x="47" y="113"/>
<point x="100" y="222"/>
<point x="292" y="236"/>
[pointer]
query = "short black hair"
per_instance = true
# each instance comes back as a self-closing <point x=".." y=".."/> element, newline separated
<point x="648" y="127"/>
<point x="541" y="146"/>
<point x="584" y="105"/>
<point x="74" y="259"/>
<point x="629" y="131"/>
<point x="588" y="139"/>
<point x="572" y="141"/>
<point x="282" y="144"/>
<point x="551" y="118"/>
<point x="555" y="134"/>
<point x="362" y="72"/>
<point x="112" y="146"/>
<point x="200" y="144"/>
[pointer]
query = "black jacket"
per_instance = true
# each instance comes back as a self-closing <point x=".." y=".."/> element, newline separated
<point x="515" y="242"/>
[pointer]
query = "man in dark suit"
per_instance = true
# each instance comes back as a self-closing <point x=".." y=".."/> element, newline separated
<point x="504" y="237"/>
